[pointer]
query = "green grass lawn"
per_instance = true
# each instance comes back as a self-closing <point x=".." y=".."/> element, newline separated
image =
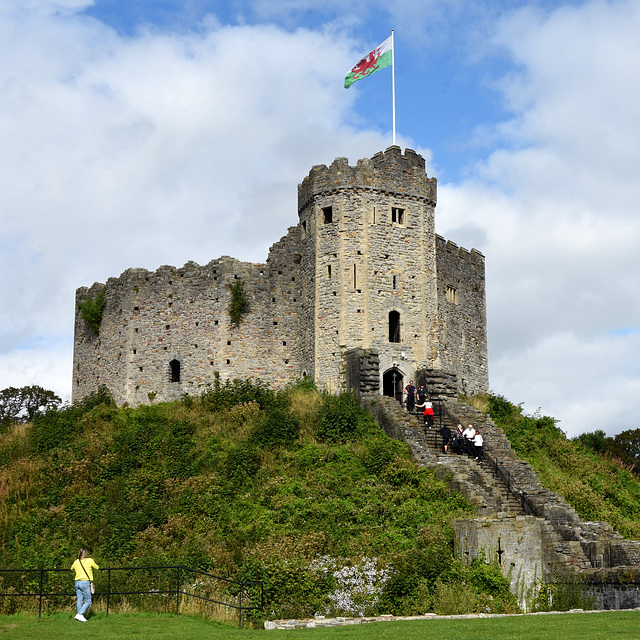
<point x="574" y="626"/>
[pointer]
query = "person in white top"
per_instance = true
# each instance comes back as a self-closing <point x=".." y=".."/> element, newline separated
<point x="478" y="443"/>
<point x="467" y="441"/>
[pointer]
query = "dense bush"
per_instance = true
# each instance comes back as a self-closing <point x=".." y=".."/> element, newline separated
<point x="340" y="419"/>
<point x="91" y="311"/>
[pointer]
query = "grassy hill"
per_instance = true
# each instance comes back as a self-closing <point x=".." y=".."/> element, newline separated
<point x="300" y="490"/>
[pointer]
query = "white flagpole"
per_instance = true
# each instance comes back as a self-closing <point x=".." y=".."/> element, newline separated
<point x="393" y="84"/>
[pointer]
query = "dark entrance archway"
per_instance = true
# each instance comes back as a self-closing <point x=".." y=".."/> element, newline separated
<point x="392" y="384"/>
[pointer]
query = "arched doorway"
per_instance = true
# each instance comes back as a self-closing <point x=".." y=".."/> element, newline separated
<point x="392" y="384"/>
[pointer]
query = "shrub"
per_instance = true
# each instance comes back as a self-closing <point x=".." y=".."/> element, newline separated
<point x="91" y="311"/>
<point x="277" y="428"/>
<point x="341" y="419"/>
<point x="225" y="395"/>
<point x="238" y="303"/>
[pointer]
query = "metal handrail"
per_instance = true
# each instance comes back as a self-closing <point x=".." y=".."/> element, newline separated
<point x="500" y="471"/>
<point x="507" y="478"/>
<point x="242" y="586"/>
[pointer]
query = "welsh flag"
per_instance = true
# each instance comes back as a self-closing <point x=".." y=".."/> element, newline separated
<point x="379" y="58"/>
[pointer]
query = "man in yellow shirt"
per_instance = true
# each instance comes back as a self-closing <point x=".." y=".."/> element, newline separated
<point x="83" y="568"/>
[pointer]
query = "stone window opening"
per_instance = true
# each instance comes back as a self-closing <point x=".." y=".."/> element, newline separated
<point x="397" y="215"/>
<point x="174" y="370"/>
<point x="395" y="282"/>
<point x="304" y="229"/>
<point x="355" y="277"/>
<point x="329" y="271"/>
<point x="394" y="326"/>
<point x="327" y="215"/>
<point x="452" y="295"/>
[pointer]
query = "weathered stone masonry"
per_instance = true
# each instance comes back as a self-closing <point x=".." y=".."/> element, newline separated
<point x="363" y="268"/>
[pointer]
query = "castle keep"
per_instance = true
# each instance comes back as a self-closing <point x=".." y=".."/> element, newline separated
<point x="363" y="268"/>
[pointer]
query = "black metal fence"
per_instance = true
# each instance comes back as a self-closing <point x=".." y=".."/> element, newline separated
<point x="47" y="585"/>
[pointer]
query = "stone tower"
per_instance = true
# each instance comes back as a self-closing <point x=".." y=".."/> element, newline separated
<point x="363" y="269"/>
<point x="369" y="264"/>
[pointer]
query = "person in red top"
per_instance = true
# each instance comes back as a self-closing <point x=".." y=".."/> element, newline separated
<point x="83" y="568"/>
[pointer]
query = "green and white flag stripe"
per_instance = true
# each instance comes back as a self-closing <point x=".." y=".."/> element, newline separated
<point x="379" y="58"/>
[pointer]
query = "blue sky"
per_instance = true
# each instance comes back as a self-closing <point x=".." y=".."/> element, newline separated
<point x="136" y="134"/>
<point x="444" y="82"/>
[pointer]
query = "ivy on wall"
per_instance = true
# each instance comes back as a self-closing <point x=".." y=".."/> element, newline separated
<point x="91" y="311"/>
<point x="239" y="303"/>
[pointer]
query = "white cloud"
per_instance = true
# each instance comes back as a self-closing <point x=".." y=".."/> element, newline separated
<point x="159" y="149"/>
<point x="556" y="205"/>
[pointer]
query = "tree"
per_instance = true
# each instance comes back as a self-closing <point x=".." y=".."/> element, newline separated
<point x="626" y="445"/>
<point x="10" y="405"/>
<point x="21" y="405"/>
<point x="35" y="398"/>
<point x="596" y="440"/>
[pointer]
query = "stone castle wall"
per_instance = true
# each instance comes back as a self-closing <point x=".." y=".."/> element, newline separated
<point x="462" y="315"/>
<point x="363" y="256"/>
<point x="154" y="318"/>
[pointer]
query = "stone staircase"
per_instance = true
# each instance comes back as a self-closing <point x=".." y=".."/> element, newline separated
<point x="477" y="481"/>
<point x="531" y="531"/>
<point x="570" y="544"/>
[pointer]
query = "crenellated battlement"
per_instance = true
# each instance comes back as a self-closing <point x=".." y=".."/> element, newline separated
<point x="390" y="171"/>
<point x="460" y="252"/>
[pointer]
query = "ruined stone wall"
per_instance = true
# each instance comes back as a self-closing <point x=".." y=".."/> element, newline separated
<point x="181" y="315"/>
<point x="462" y="315"/>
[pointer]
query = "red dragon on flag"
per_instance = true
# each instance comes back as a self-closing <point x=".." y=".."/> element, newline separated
<point x="367" y="65"/>
<point x="379" y="58"/>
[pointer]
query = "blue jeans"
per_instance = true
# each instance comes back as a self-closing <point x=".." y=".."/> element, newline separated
<point x="83" y="593"/>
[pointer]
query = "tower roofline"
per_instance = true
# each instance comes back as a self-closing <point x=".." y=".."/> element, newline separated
<point x="389" y="171"/>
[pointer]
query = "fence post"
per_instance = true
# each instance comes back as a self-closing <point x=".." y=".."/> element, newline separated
<point x="108" y="588"/>
<point x="240" y="608"/>
<point x="40" y="594"/>
<point x="178" y="591"/>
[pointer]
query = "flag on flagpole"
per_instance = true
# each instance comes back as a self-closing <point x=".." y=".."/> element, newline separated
<point x="379" y="58"/>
